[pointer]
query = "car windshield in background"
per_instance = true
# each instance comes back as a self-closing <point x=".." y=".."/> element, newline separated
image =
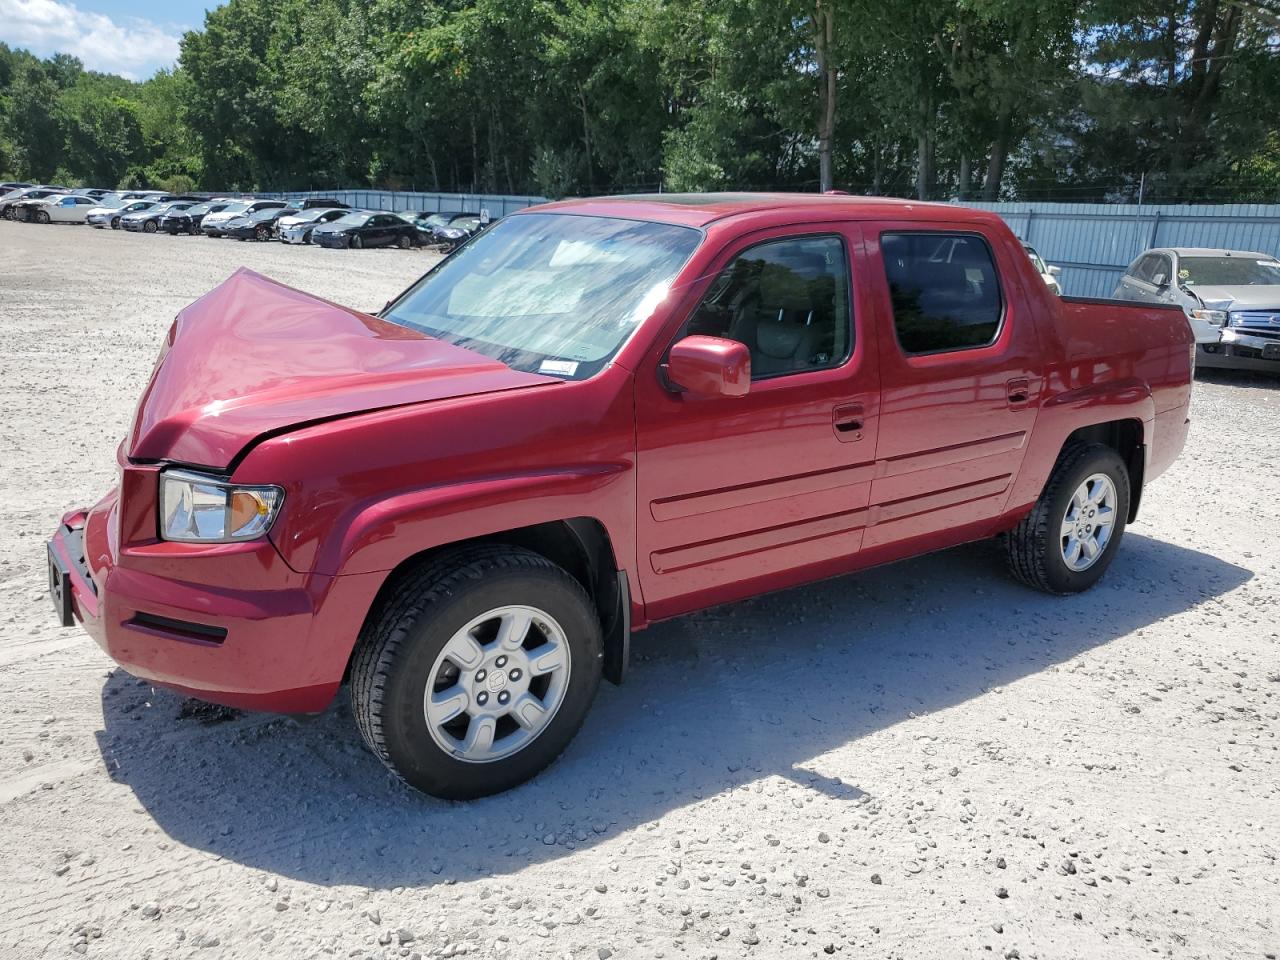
<point x="201" y="208"/>
<point x="267" y="213"/>
<point x="353" y="219"/>
<point x="549" y="293"/>
<point x="1227" y="271"/>
<point x="312" y="213"/>
<point x="235" y="208"/>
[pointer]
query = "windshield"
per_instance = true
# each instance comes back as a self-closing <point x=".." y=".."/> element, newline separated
<point x="266" y="213"/>
<point x="312" y="213"/>
<point x="1242" y="271"/>
<point x="234" y="208"/>
<point x="549" y="293"/>
<point x="352" y="220"/>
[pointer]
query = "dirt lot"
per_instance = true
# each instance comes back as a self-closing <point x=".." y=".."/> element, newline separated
<point x="925" y="761"/>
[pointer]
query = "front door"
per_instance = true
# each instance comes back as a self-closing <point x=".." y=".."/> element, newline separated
<point x="741" y="494"/>
<point x="961" y="380"/>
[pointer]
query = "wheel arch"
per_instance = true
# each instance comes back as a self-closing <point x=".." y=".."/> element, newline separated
<point x="579" y="545"/>
<point x="1125" y="436"/>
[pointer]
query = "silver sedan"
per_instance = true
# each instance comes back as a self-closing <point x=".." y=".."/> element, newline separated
<point x="1231" y="298"/>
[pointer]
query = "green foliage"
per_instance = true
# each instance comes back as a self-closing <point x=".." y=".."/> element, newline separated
<point x="934" y="98"/>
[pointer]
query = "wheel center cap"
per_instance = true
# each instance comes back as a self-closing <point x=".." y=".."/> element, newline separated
<point x="495" y="681"/>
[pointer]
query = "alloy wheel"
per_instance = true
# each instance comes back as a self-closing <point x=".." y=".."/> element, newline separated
<point x="1089" y="522"/>
<point x="497" y="684"/>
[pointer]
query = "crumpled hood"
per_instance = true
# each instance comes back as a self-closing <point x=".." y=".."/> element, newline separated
<point x="253" y="356"/>
<point x="1242" y="297"/>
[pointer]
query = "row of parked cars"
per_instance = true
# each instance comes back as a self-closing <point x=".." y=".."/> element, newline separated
<point x="318" y="220"/>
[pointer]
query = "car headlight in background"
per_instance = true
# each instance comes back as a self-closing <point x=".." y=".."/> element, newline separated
<point x="1216" y="317"/>
<point x="196" y="508"/>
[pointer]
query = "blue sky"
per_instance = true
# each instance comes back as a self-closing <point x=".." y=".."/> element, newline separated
<point x="131" y="37"/>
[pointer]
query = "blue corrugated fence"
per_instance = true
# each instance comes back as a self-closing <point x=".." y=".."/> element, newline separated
<point x="498" y="205"/>
<point x="1094" y="242"/>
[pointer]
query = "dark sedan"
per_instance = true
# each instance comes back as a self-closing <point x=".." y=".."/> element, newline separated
<point x="188" y="221"/>
<point x="359" y="230"/>
<point x="259" y="225"/>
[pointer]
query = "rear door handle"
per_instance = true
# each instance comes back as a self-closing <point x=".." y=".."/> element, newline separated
<point x="847" y="421"/>
<point x="1019" y="391"/>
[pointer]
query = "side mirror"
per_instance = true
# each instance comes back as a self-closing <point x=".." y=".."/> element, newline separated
<point x="710" y="367"/>
<point x="1055" y="271"/>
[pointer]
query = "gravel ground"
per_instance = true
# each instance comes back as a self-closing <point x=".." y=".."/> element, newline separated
<point x="923" y="761"/>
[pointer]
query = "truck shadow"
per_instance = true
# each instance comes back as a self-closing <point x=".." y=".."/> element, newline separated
<point x="713" y="702"/>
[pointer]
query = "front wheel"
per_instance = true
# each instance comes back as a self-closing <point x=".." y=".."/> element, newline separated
<point x="357" y="242"/>
<point x="1071" y="535"/>
<point x="404" y="243"/>
<point x="477" y="671"/>
<point x="262" y="234"/>
<point x="115" y="223"/>
<point x="42" y="216"/>
<point x="149" y="227"/>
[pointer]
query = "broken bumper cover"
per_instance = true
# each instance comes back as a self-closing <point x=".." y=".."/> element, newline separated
<point x="250" y="633"/>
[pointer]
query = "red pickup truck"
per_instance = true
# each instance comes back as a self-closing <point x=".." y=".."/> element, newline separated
<point x="594" y="415"/>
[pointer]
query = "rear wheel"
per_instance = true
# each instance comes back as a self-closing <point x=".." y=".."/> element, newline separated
<point x="149" y="227"/>
<point x="477" y="671"/>
<point x="1071" y="535"/>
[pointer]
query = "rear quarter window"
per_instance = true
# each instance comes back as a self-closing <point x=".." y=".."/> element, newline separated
<point x="944" y="290"/>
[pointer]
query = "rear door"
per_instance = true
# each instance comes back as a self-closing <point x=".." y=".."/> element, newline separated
<point x="741" y="494"/>
<point x="961" y="378"/>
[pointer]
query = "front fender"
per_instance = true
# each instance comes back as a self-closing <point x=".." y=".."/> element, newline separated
<point x="380" y="535"/>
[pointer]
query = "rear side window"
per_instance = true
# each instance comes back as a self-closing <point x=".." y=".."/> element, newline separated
<point x="944" y="290"/>
<point x="787" y="300"/>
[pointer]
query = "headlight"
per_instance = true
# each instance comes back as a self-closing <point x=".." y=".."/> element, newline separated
<point x="200" y="509"/>
<point x="1216" y="317"/>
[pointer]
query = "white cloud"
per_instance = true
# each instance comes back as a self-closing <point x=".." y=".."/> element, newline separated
<point x="133" y="47"/>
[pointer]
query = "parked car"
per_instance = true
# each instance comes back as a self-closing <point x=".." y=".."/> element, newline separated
<point x="259" y="225"/>
<point x="72" y="208"/>
<point x="428" y="222"/>
<point x="600" y="414"/>
<point x="109" y="216"/>
<point x="311" y="203"/>
<point x="365" y="229"/>
<point x="13" y="185"/>
<point x="175" y="221"/>
<point x="148" y="221"/>
<point x="297" y="227"/>
<point x="458" y="232"/>
<point x="1047" y="273"/>
<point x="1232" y="298"/>
<point x="214" y="223"/>
<point x="96" y="193"/>
<point x="11" y="199"/>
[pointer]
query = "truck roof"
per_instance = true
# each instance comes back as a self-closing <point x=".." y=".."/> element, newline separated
<point x="700" y="209"/>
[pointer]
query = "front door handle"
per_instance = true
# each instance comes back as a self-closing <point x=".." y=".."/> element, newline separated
<point x="847" y="421"/>
<point x="1019" y="391"/>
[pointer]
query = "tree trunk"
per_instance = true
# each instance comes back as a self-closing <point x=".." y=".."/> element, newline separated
<point x="999" y="152"/>
<point x="924" y="148"/>
<point x="824" y="27"/>
<point x="586" y="138"/>
<point x="475" y="155"/>
<point x="964" y="178"/>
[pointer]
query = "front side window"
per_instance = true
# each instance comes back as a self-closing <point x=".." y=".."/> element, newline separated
<point x="787" y="300"/>
<point x="549" y="293"/>
<point x="944" y="291"/>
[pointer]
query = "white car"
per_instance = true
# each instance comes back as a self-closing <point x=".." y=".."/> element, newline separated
<point x="72" y="208"/>
<point x="1047" y="273"/>
<point x="297" y="227"/>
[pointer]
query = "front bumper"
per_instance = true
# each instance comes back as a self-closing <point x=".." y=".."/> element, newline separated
<point x="227" y="623"/>
<point x="293" y="236"/>
<point x="134" y="226"/>
<point x="1241" y="351"/>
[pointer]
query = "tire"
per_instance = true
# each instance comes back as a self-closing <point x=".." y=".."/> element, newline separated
<point x="149" y="227"/>
<point x="262" y="234"/>
<point x="357" y="242"/>
<point x="8" y="213"/>
<point x="1037" y="549"/>
<point x="404" y="243"/>
<point x="42" y="216"/>
<point x="115" y="223"/>
<point x="194" y="229"/>
<point x="402" y="652"/>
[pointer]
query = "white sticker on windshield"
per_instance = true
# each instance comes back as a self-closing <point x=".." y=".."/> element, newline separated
<point x="560" y="368"/>
<point x="1267" y="263"/>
